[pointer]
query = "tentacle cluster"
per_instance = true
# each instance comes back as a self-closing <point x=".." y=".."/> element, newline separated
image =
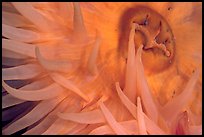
<point x="69" y="87"/>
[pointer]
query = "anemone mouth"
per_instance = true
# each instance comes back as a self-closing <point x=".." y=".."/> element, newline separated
<point x="77" y="84"/>
<point x="152" y="31"/>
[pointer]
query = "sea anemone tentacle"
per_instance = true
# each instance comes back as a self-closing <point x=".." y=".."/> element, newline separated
<point x="30" y="118"/>
<point x="130" y="77"/>
<point x="131" y="127"/>
<point x="22" y="72"/>
<point x="90" y="117"/>
<point x="117" y="128"/>
<point x="140" y="118"/>
<point x="19" y="34"/>
<point x="48" y="92"/>
<point x="60" y="77"/>
<point x="52" y="65"/>
<point x="143" y="88"/>
<point x="69" y="85"/>
<point x="19" y="47"/>
<point x="180" y="100"/>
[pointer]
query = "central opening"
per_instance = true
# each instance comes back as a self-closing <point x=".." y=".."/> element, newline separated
<point x="152" y="31"/>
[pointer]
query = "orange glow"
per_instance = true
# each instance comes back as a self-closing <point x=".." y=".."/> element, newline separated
<point x="102" y="68"/>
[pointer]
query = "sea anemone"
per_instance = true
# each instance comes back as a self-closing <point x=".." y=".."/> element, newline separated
<point x="101" y="68"/>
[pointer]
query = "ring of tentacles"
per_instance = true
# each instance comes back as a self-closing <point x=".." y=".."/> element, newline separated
<point x="70" y="89"/>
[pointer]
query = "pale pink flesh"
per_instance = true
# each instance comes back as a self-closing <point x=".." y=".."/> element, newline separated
<point x="150" y="121"/>
<point x="44" y="107"/>
<point x="195" y="130"/>
<point x="174" y="106"/>
<point x="61" y="80"/>
<point x="143" y="89"/>
<point x="140" y="118"/>
<point x="28" y="11"/>
<point x="77" y="129"/>
<point x="19" y="34"/>
<point x="128" y="104"/>
<point x="50" y="119"/>
<point x="19" y="47"/>
<point x="22" y="72"/>
<point x="130" y="126"/>
<point x="117" y="128"/>
<point x="61" y="126"/>
<point x="52" y="65"/>
<point x="151" y="126"/>
<point x="13" y="19"/>
<point x="48" y="92"/>
<point x="90" y="117"/>
<point x="8" y="54"/>
<point x="8" y="101"/>
<point x="130" y="77"/>
<point x="181" y="126"/>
